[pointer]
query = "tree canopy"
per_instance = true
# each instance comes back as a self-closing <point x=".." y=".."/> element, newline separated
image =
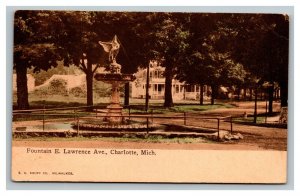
<point x="198" y="48"/>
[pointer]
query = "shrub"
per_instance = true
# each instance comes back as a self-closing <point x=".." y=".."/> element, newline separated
<point x="58" y="86"/>
<point x="78" y="92"/>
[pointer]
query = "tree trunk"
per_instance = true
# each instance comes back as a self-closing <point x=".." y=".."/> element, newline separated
<point x="89" y="86"/>
<point x="201" y="93"/>
<point x="238" y="93"/>
<point x="126" y="94"/>
<point x="271" y="97"/>
<point x="168" y="86"/>
<point x="214" y="89"/>
<point x="284" y="93"/>
<point x="245" y="94"/>
<point x="22" y="89"/>
<point x="250" y="98"/>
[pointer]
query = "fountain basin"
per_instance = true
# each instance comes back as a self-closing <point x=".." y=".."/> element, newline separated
<point x="108" y="126"/>
<point x="113" y="77"/>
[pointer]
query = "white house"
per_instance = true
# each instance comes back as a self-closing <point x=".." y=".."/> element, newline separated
<point x="180" y="90"/>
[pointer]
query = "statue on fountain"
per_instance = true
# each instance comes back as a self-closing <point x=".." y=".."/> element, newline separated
<point x="112" y="48"/>
<point x="115" y="78"/>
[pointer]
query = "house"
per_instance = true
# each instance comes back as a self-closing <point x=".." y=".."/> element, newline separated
<point x="180" y="90"/>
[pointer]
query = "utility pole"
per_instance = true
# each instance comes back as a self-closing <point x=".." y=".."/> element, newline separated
<point x="255" y="104"/>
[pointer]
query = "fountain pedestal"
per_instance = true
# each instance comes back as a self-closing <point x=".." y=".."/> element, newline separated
<point x="114" y="110"/>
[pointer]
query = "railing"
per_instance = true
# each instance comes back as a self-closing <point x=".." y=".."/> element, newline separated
<point x="76" y="115"/>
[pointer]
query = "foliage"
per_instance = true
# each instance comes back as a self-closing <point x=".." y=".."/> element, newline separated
<point x="78" y="92"/>
<point x="55" y="87"/>
<point x="33" y="47"/>
<point x="199" y="48"/>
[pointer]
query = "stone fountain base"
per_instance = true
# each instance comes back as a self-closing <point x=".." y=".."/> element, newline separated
<point x="114" y="114"/>
<point x="114" y="110"/>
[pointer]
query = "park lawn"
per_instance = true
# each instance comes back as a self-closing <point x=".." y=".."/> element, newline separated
<point x="179" y="108"/>
<point x="136" y="105"/>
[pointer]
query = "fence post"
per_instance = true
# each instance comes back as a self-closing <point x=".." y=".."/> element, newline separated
<point x="184" y="115"/>
<point x="147" y="125"/>
<point x="44" y="117"/>
<point x="77" y="125"/>
<point x="152" y="116"/>
<point x="266" y="116"/>
<point x="96" y="113"/>
<point x="218" y="129"/>
<point x="129" y="111"/>
<point x="230" y="124"/>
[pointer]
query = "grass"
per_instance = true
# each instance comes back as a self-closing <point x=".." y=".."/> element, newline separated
<point x="136" y="107"/>
<point x="259" y="120"/>
<point x="128" y="138"/>
<point x="179" y="108"/>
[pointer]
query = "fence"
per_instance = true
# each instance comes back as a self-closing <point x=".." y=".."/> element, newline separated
<point x="77" y="114"/>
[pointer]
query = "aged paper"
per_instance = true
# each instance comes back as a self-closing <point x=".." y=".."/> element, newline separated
<point x="178" y="166"/>
<point x="150" y="97"/>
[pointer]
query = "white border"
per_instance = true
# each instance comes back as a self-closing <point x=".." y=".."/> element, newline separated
<point x="139" y="3"/>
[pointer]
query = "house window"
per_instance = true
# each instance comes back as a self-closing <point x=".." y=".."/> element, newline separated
<point x="160" y="74"/>
<point x="181" y="88"/>
<point x="159" y="87"/>
<point x="188" y="88"/>
<point x="177" y="89"/>
<point x="155" y="74"/>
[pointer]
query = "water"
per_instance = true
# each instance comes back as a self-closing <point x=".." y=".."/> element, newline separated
<point x="57" y="127"/>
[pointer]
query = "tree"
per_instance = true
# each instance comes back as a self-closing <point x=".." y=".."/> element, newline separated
<point x="33" y="48"/>
<point x="205" y="63"/>
<point x="260" y="43"/>
<point x="169" y="36"/>
<point x="79" y="45"/>
<point x="83" y="30"/>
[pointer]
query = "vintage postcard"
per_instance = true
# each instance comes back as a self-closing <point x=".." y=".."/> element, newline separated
<point x="150" y="97"/>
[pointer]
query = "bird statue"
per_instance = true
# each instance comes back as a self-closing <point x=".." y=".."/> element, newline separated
<point x="112" y="48"/>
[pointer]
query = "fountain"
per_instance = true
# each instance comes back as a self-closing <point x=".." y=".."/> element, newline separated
<point x="114" y="119"/>
<point x="115" y="78"/>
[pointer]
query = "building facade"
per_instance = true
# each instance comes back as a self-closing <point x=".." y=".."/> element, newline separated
<point x="180" y="90"/>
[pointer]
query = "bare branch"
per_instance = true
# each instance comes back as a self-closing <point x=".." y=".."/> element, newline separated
<point x="97" y="66"/>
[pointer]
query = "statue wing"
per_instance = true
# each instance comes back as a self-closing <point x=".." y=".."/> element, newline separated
<point x="107" y="46"/>
<point x="115" y="42"/>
